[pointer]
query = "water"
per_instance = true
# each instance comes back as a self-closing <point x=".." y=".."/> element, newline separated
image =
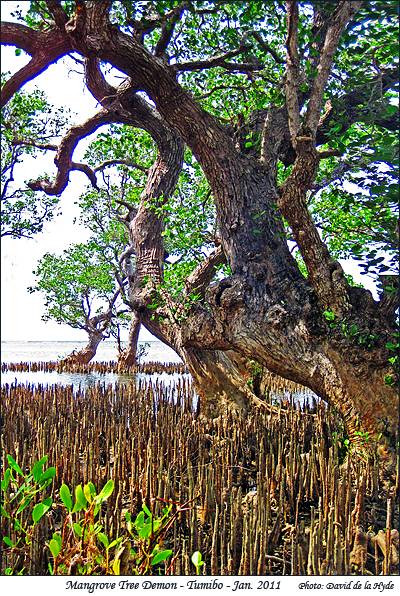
<point x="43" y="351"/>
<point x="84" y="380"/>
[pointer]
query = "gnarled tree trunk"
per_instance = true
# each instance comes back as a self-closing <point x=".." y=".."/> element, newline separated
<point x="128" y="357"/>
<point x="87" y="353"/>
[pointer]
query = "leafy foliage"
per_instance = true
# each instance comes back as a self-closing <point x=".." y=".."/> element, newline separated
<point x="358" y="210"/>
<point x="24" y="501"/>
<point x="82" y="546"/>
<point x="76" y="285"/>
<point x="27" y="117"/>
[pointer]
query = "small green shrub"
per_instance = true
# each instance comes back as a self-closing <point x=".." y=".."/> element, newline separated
<point x="82" y="545"/>
<point x="84" y="548"/>
<point x="197" y="561"/>
<point x="23" y="504"/>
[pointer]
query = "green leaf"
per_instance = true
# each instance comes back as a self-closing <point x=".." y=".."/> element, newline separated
<point x="8" y="541"/>
<point x="197" y="559"/>
<point x="49" y="473"/>
<point x="89" y="490"/>
<point x="4" y="513"/>
<point x="17" y="525"/>
<point x="24" y="504"/>
<point x="65" y="496"/>
<point x="145" y="531"/>
<point x="78" y="530"/>
<point x="106" y="491"/>
<point x="103" y="539"/>
<point x="80" y="499"/>
<point x="57" y="537"/>
<point x="146" y="510"/>
<point x="116" y="566"/>
<point x="139" y="521"/>
<point x="37" y="469"/>
<point x="161" y="556"/>
<point x="6" y="480"/>
<point x="55" y="547"/>
<point x="13" y="464"/>
<point x="115" y="542"/>
<point x="40" y="509"/>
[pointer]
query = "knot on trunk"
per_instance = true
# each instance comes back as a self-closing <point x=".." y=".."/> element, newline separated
<point x="227" y="294"/>
<point x="94" y="43"/>
<point x="276" y="315"/>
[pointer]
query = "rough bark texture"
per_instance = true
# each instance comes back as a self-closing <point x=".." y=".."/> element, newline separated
<point x="128" y="357"/>
<point x="87" y="353"/>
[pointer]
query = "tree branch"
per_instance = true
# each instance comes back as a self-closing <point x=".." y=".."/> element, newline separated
<point x="131" y="208"/>
<point x="241" y="88"/>
<point x="199" y="280"/>
<point x="324" y="273"/>
<point x="57" y="12"/>
<point x="328" y="153"/>
<point x="63" y="159"/>
<point x="222" y="61"/>
<point x="343" y="14"/>
<point x="45" y="47"/>
<point x="33" y="143"/>
<point x="167" y="29"/>
<point x="151" y="22"/>
<point x="85" y="169"/>
<point x="96" y="82"/>
<point x="21" y="36"/>
<point x="125" y="162"/>
<point x="267" y="48"/>
<point x="292" y="69"/>
<point x="105" y="317"/>
<point x="90" y="173"/>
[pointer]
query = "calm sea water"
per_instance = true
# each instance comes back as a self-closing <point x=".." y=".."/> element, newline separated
<point x="42" y="351"/>
<point x="38" y="351"/>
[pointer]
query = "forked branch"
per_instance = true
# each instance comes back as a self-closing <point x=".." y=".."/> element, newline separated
<point x="199" y="280"/>
<point x="343" y="14"/>
<point x="325" y="274"/>
<point x="45" y="47"/>
<point x="63" y="159"/>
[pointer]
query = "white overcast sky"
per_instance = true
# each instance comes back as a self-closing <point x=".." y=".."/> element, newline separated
<point x="21" y="312"/>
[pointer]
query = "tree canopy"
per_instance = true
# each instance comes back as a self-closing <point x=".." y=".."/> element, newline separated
<point x="29" y="125"/>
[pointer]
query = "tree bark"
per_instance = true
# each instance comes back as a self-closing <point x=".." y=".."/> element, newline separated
<point x="285" y="331"/>
<point x="128" y="357"/>
<point x="87" y="353"/>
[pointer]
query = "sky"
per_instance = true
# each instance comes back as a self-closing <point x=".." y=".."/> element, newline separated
<point x="21" y="312"/>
